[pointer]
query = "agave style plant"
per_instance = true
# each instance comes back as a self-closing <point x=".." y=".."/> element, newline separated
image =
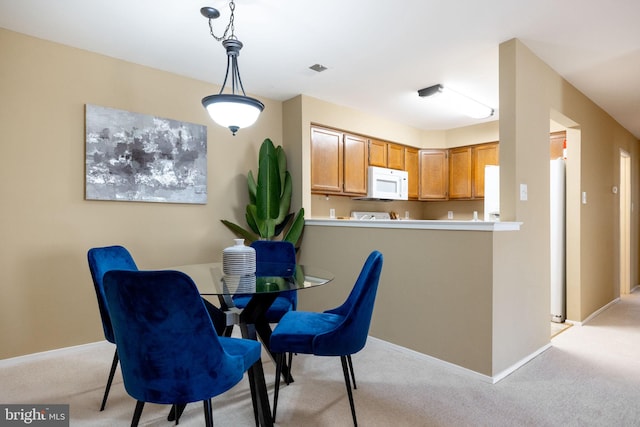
<point x="269" y="200"/>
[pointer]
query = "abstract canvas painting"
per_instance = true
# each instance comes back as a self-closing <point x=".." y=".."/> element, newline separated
<point x="138" y="157"/>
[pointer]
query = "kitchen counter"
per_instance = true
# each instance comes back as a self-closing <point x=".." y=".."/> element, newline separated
<point x="442" y="286"/>
<point x="417" y="224"/>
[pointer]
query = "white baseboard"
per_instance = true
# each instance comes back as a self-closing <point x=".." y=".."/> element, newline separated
<point x="441" y="362"/>
<point x="597" y="312"/>
<point x="511" y="369"/>
<point x="6" y="363"/>
<point x="486" y="378"/>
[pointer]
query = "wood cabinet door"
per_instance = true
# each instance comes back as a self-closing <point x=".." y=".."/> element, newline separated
<point x="556" y="142"/>
<point x="483" y="155"/>
<point x="377" y="153"/>
<point x="460" y="173"/>
<point x="355" y="164"/>
<point x="395" y="156"/>
<point x="434" y="171"/>
<point x="412" y="166"/>
<point x="326" y="161"/>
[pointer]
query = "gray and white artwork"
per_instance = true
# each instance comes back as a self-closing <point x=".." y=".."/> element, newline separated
<point x="137" y="157"/>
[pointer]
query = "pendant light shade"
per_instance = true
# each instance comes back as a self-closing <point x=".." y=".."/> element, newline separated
<point x="233" y="110"/>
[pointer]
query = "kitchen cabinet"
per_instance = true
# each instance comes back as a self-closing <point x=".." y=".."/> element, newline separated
<point x="457" y="173"/>
<point x="377" y="153"/>
<point x="482" y="155"/>
<point x="338" y="162"/>
<point x="326" y="161"/>
<point x="395" y="156"/>
<point x="460" y="161"/>
<point x="355" y="164"/>
<point x="386" y="154"/>
<point x="434" y="174"/>
<point x="466" y="169"/>
<point x="412" y="166"/>
<point x="556" y="142"/>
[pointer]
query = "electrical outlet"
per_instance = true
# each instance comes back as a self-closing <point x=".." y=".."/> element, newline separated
<point x="450" y="215"/>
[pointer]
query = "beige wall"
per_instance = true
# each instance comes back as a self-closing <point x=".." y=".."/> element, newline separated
<point x="435" y="289"/>
<point x="520" y="260"/>
<point x="47" y="300"/>
<point x="594" y="143"/>
<point x="46" y="294"/>
<point x="473" y="134"/>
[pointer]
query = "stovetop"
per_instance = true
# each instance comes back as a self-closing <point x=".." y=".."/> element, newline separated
<point x="370" y="215"/>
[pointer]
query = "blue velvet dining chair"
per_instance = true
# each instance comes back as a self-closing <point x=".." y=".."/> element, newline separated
<point x="169" y="350"/>
<point x="274" y="258"/>
<point x="341" y="331"/>
<point x="102" y="260"/>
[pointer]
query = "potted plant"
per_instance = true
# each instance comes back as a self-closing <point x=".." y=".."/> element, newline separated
<point x="267" y="213"/>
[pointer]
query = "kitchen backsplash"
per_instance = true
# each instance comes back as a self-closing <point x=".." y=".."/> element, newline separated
<point x="343" y="206"/>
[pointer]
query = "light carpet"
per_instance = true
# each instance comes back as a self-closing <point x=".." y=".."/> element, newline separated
<point x="589" y="377"/>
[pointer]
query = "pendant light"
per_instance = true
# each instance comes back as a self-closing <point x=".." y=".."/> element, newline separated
<point x="233" y="110"/>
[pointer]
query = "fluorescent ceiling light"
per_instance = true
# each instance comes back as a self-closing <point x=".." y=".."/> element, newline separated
<point x="456" y="101"/>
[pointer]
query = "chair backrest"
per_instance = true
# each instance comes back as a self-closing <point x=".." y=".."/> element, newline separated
<point x="275" y="258"/>
<point x="102" y="260"/>
<point x="168" y="348"/>
<point x="273" y="255"/>
<point x="350" y="336"/>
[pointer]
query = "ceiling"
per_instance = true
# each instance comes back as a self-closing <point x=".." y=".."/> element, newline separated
<point x="376" y="57"/>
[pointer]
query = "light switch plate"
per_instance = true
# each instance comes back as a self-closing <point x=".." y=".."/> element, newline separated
<point x="523" y="192"/>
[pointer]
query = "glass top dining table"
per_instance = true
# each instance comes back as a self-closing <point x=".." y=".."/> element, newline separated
<point x="263" y="289"/>
<point x="210" y="279"/>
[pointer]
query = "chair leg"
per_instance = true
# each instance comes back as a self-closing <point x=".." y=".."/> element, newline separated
<point x="353" y="374"/>
<point x="114" y="365"/>
<point x="254" y="396"/>
<point x="289" y="367"/>
<point x="345" y="370"/>
<point x="262" y="397"/>
<point x="137" y="413"/>
<point x="176" y="412"/>
<point x="279" y="360"/>
<point x="208" y="413"/>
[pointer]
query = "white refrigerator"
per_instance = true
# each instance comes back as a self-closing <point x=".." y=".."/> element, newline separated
<point x="557" y="234"/>
<point x="492" y="193"/>
<point x="557" y="228"/>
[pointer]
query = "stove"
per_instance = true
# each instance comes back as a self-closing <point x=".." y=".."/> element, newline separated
<point x="370" y="215"/>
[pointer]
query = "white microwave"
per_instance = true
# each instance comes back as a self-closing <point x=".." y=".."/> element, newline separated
<point x="386" y="184"/>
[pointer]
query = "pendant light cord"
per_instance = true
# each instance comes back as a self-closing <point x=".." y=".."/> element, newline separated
<point x="230" y="26"/>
